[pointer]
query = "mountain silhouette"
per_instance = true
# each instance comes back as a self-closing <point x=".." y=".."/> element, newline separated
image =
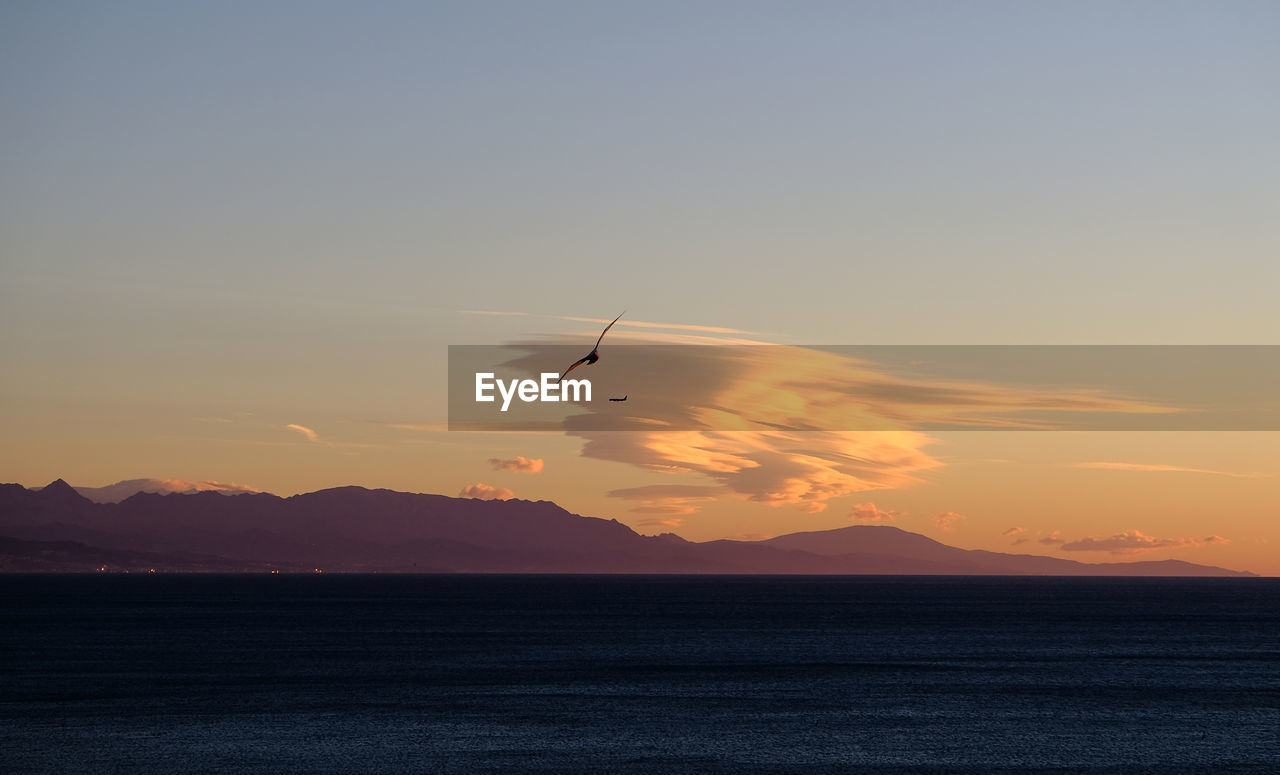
<point x="357" y="529"/>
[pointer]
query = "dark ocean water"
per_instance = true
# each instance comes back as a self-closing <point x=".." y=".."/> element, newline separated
<point x="637" y="674"/>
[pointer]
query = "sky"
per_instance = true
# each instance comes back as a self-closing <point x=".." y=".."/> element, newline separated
<point x="237" y="239"/>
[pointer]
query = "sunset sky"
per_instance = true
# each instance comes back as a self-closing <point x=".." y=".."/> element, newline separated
<point x="237" y="239"/>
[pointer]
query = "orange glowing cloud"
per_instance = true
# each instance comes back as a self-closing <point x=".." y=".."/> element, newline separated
<point x="946" y="519"/>
<point x="869" y="512"/>
<point x="802" y="470"/>
<point x="671" y="522"/>
<point x="484" y="492"/>
<point x="756" y="421"/>
<point x="304" y="430"/>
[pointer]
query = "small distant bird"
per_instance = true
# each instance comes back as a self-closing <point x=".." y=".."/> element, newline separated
<point x="624" y="398"/>
<point x="594" y="355"/>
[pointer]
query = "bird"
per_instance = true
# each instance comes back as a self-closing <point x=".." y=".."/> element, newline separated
<point x="594" y="355"/>
<point x="624" y="398"/>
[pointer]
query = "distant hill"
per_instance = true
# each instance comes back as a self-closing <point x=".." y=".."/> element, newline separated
<point x="18" y="556"/>
<point x="889" y="545"/>
<point x="355" y="529"/>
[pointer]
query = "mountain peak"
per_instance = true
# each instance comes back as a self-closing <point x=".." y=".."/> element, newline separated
<point x="59" y="491"/>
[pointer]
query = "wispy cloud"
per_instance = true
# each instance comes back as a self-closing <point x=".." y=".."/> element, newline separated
<point x="418" y="426"/>
<point x="870" y="512"/>
<point x="947" y="519"/>
<point x="484" y="492"/>
<point x="304" y="430"/>
<point x="623" y="323"/>
<point x="1013" y="531"/>
<point x="1054" y="538"/>
<point x="519" y="464"/>
<point x="669" y="498"/>
<point x="1159" y="467"/>
<point x="657" y="522"/>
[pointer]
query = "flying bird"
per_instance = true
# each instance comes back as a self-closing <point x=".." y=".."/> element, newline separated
<point x="624" y="398"/>
<point x="594" y="355"/>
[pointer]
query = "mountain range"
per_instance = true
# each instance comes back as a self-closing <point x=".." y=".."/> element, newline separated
<point x="114" y="493"/>
<point x="353" y="529"/>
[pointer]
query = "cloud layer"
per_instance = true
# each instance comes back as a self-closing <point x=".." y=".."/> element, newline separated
<point x="800" y="470"/>
<point x="1129" y="542"/>
<point x="666" y="499"/>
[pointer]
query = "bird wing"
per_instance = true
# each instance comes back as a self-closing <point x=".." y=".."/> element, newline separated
<point x="606" y="330"/>
<point x="575" y="365"/>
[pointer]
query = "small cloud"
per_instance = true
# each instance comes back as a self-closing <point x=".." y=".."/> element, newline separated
<point x="1131" y="542"/>
<point x="1216" y="540"/>
<point x="520" y="464"/>
<point x="869" y="512"/>
<point x="484" y="492"/>
<point x="1053" y="539"/>
<point x="946" y="519"/>
<point x="1019" y="535"/>
<point x="664" y="508"/>
<point x="304" y="430"/>
<point x="208" y="485"/>
<point x="655" y="522"/>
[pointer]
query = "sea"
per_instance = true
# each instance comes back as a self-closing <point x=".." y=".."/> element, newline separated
<point x="334" y="673"/>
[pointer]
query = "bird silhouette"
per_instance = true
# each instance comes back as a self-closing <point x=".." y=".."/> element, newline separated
<point x="594" y="355"/>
